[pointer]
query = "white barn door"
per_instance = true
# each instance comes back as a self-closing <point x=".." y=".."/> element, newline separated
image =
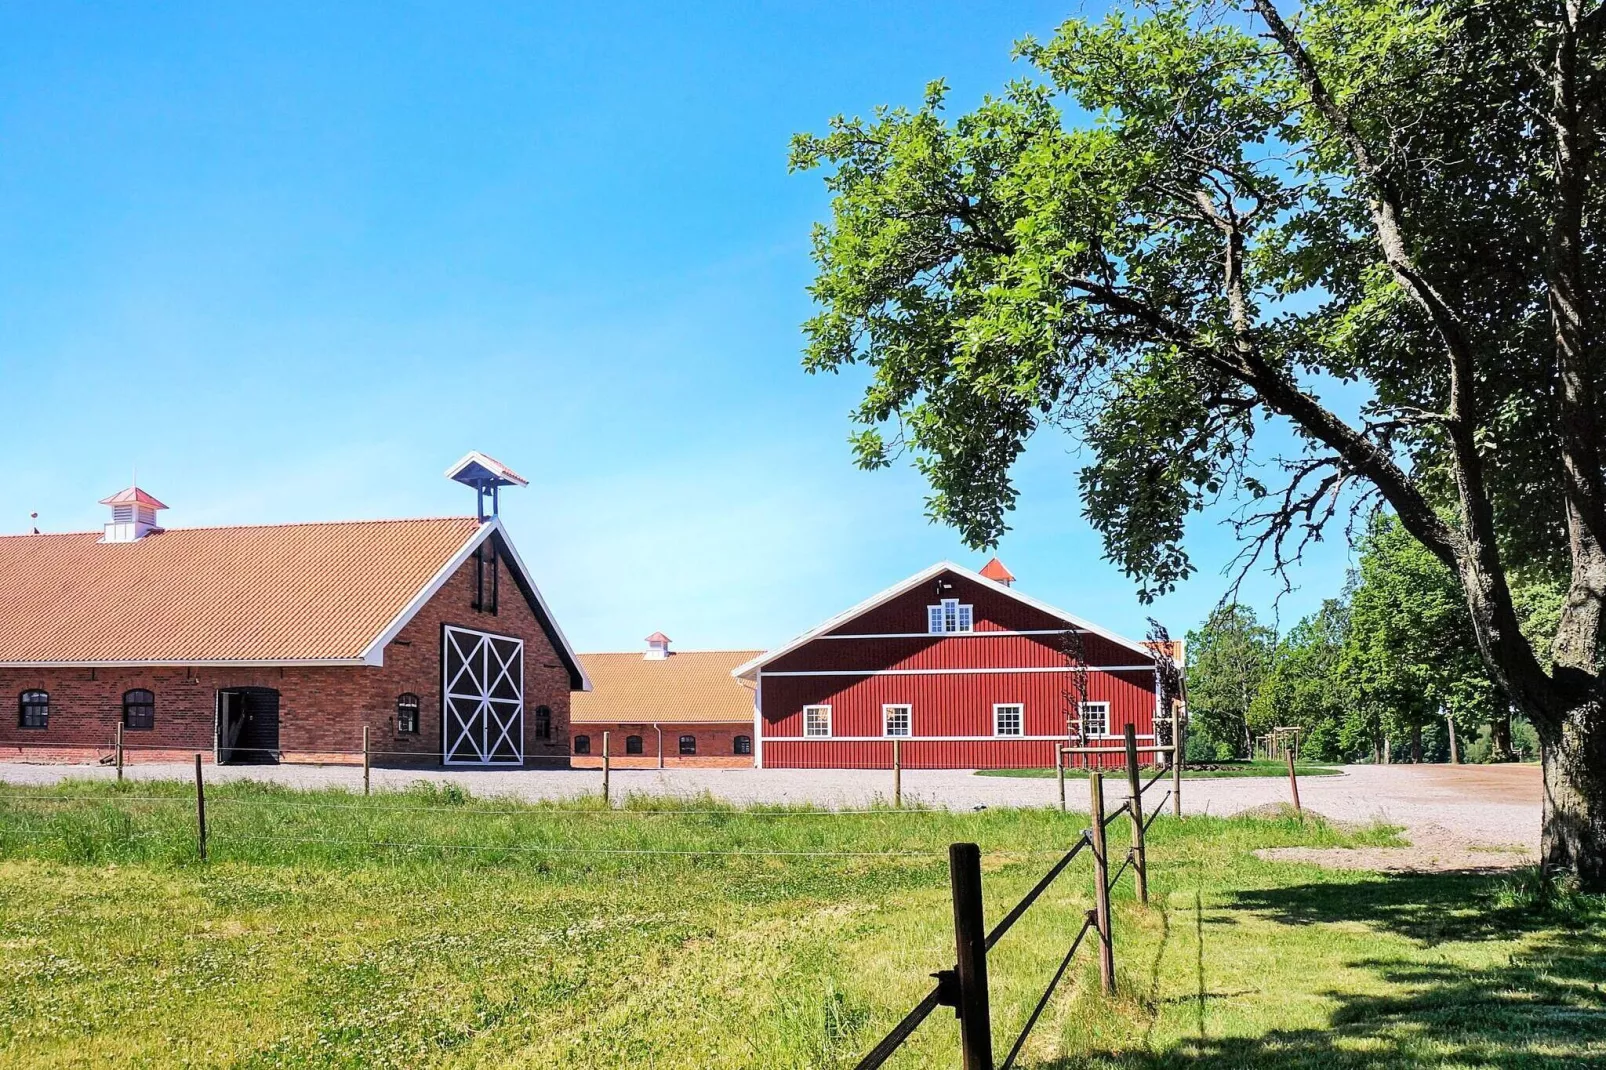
<point x="482" y="698"/>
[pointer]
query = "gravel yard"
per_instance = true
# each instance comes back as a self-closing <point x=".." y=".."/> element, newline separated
<point x="1449" y="812"/>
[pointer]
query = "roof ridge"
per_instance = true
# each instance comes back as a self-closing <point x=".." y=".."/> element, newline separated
<point x="253" y="527"/>
<point x="672" y="654"/>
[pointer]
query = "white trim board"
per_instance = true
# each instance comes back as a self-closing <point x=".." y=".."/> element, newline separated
<point x="939" y="739"/>
<point x="953" y="672"/>
<point x="374" y="653"/>
<point x="914" y="581"/>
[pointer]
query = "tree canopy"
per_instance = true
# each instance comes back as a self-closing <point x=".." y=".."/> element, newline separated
<point x="1190" y="220"/>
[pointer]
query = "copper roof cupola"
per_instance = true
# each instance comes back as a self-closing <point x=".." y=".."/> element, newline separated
<point x="133" y="516"/>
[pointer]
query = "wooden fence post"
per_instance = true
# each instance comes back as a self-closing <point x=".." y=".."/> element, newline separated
<point x="1293" y="783"/>
<point x="1134" y="783"/>
<point x="1178" y="756"/>
<point x="970" y="946"/>
<point x="200" y="808"/>
<point x="366" y="762"/>
<point x="1101" y="885"/>
<point x="607" y="769"/>
<point x="119" y="752"/>
<point x="897" y="773"/>
<point x="1059" y="771"/>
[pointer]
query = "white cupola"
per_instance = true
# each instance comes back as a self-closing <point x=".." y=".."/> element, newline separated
<point x="133" y="516"/>
<point x="657" y="647"/>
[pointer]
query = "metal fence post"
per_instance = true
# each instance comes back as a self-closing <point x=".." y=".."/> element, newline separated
<point x="897" y="773"/>
<point x="1134" y="781"/>
<point x="970" y="945"/>
<point x="200" y="808"/>
<point x="1101" y="885"/>
<point x="606" y="769"/>
<point x="1293" y="783"/>
<point x="366" y="762"/>
<point x="119" y="752"/>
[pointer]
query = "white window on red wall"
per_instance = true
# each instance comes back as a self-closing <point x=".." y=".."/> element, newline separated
<point x="897" y="719"/>
<point x="1009" y="719"/>
<point x="949" y="616"/>
<point x="1095" y="718"/>
<point x="816" y="720"/>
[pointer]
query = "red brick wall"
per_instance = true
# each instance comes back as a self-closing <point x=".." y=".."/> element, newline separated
<point x="322" y="710"/>
<point x="716" y="745"/>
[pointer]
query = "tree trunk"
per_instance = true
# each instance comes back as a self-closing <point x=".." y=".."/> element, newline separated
<point x="1500" y="738"/>
<point x="1416" y="744"/>
<point x="1574" y="757"/>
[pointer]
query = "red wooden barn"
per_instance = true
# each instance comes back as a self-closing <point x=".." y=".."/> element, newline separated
<point x="963" y="669"/>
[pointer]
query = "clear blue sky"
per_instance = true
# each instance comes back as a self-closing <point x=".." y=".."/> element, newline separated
<point x="292" y="260"/>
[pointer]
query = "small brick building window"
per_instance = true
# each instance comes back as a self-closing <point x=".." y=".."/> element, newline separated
<point x="543" y="722"/>
<point x="688" y="744"/>
<point x="139" y="709"/>
<point x="632" y="744"/>
<point x="33" y="709"/>
<point x="743" y="744"/>
<point x="582" y="744"/>
<point x="407" y="713"/>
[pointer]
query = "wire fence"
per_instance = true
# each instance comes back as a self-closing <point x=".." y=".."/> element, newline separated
<point x="965" y="986"/>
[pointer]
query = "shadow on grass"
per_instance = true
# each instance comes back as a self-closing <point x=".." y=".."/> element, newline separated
<point x="1543" y="1007"/>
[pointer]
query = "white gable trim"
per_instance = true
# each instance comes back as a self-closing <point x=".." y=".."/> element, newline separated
<point x="374" y="653"/>
<point x="923" y="576"/>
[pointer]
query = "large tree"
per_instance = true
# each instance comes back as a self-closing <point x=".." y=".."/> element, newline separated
<point x="1191" y="223"/>
<point x="1228" y="658"/>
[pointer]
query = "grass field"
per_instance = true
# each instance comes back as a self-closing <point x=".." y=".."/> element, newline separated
<point x="303" y="943"/>
<point x="1215" y="771"/>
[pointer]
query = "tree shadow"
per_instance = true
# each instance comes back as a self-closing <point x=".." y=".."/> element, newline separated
<point x="1545" y="1007"/>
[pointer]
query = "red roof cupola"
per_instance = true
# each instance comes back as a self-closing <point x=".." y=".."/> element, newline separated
<point x="133" y="515"/>
<point x="995" y="571"/>
<point x="657" y="647"/>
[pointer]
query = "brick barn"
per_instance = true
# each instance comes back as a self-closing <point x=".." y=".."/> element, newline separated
<point x="960" y="667"/>
<point x="283" y="642"/>
<point x="664" y="708"/>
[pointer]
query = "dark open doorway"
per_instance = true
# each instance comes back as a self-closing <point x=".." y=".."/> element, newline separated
<point x="247" y="726"/>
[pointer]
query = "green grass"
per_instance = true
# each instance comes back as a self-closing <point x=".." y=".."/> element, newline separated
<point x="1214" y="770"/>
<point x="302" y="944"/>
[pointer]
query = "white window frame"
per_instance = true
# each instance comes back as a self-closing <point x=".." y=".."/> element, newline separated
<point x="1020" y="725"/>
<point x="908" y="711"/>
<point x="950" y="611"/>
<point x="809" y="730"/>
<point x="1086" y="706"/>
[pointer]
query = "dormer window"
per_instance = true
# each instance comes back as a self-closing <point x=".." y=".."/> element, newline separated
<point x="950" y="615"/>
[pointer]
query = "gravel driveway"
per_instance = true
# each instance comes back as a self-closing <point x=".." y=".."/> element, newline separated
<point x="1472" y="806"/>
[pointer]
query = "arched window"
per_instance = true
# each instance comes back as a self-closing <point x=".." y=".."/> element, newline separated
<point x="407" y="713"/>
<point x="743" y="744"/>
<point x="543" y="722"/>
<point x="582" y="744"/>
<point x="33" y="709"/>
<point x="139" y="709"/>
<point x="688" y="744"/>
<point x="632" y="744"/>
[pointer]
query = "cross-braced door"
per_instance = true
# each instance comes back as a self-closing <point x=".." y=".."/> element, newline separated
<point x="482" y="715"/>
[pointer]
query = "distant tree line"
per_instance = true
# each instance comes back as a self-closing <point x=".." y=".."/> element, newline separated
<point x="1382" y="668"/>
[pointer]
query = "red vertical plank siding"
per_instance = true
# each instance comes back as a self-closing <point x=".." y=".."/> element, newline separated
<point x="851" y="675"/>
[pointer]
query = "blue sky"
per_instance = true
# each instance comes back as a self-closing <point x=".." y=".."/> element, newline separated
<point x="290" y="261"/>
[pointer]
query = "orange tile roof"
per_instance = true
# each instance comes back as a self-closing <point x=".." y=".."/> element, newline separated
<point x="689" y="686"/>
<point x="289" y="592"/>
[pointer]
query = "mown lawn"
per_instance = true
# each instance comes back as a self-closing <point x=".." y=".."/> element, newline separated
<point x="301" y="943"/>
<point x="1213" y="771"/>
